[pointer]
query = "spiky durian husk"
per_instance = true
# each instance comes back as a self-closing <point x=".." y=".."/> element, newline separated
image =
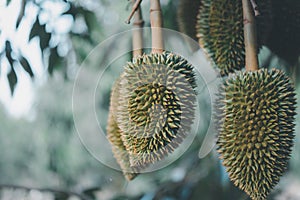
<point x="220" y="29"/>
<point x="114" y="135"/>
<point x="156" y="107"/>
<point x="285" y="40"/>
<point x="255" y="118"/>
<point x="187" y="19"/>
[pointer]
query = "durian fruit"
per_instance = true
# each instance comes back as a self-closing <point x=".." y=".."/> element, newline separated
<point x="255" y="117"/>
<point x="284" y="40"/>
<point x="187" y="19"/>
<point x="157" y="106"/>
<point x="114" y="135"/>
<point x="220" y="29"/>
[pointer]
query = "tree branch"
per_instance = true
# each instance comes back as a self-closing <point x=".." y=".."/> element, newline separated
<point x="68" y="193"/>
<point x="134" y="9"/>
<point x="255" y="7"/>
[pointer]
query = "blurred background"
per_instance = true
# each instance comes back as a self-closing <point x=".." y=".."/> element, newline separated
<point x="42" y="45"/>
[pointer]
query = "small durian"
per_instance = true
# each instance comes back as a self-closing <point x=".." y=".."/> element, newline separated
<point x="220" y="29"/>
<point x="187" y="19"/>
<point x="157" y="106"/>
<point x="114" y="135"/>
<point x="255" y="118"/>
<point x="285" y="38"/>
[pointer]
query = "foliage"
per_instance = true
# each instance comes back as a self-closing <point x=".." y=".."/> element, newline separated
<point x="51" y="40"/>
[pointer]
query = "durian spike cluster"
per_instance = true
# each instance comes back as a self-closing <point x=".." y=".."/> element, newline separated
<point x="157" y="106"/>
<point x="255" y="117"/>
<point x="114" y="134"/>
<point x="187" y="19"/>
<point x="220" y="29"/>
<point x="285" y="38"/>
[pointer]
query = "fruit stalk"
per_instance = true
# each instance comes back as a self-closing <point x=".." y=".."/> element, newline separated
<point x="156" y="26"/>
<point x="137" y="33"/>
<point x="250" y="37"/>
<point x="135" y="6"/>
<point x="255" y="7"/>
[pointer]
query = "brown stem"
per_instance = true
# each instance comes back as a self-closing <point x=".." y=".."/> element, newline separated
<point x="67" y="193"/>
<point x="250" y="37"/>
<point x="156" y="26"/>
<point x="137" y="33"/>
<point x="134" y="8"/>
<point x="255" y="7"/>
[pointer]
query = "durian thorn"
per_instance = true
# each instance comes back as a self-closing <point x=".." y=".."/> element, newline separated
<point x="156" y="26"/>
<point x="250" y="37"/>
<point x="137" y="33"/>
<point x="135" y="6"/>
<point x="255" y="7"/>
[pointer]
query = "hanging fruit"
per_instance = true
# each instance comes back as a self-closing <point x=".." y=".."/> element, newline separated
<point x="220" y="29"/>
<point x="255" y="118"/>
<point x="114" y="135"/>
<point x="187" y="19"/>
<point x="157" y="103"/>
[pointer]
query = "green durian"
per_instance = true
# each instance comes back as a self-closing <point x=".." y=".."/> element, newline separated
<point x="285" y="38"/>
<point x="114" y="135"/>
<point x="255" y="115"/>
<point x="157" y="106"/>
<point x="220" y="29"/>
<point x="187" y="19"/>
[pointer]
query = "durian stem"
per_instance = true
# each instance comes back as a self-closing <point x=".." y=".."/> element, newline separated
<point x="255" y="7"/>
<point x="134" y="8"/>
<point x="156" y="26"/>
<point x="250" y="37"/>
<point x="137" y="33"/>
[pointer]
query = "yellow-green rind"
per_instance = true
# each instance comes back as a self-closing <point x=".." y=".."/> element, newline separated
<point x="157" y="106"/>
<point x="114" y="135"/>
<point x="187" y="19"/>
<point x="255" y="118"/>
<point x="220" y="33"/>
<point x="285" y="38"/>
<point x="220" y="30"/>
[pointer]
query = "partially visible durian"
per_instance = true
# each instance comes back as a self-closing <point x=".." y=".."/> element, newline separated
<point x="187" y="19"/>
<point x="114" y="135"/>
<point x="285" y="38"/>
<point x="255" y="118"/>
<point x="220" y="29"/>
<point x="157" y="106"/>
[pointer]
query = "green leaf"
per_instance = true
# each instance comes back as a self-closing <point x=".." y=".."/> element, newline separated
<point x="21" y="13"/>
<point x="73" y="10"/>
<point x="89" y="16"/>
<point x="11" y="76"/>
<point x="8" y="2"/>
<point x="83" y="36"/>
<point x="8" y="51"/>
<point x="55" y="60"/>
<point x="26" y="66"/>
<point x="35" y="29"/>
<point x="61" y="196"/>
<point x="44" y="37"/>
<point x="12" y="79"/>
<point x="90" y="192"/>
<point x="90" y="20"/>
<point x="40" y="31"/>
<point x="1" y="53"/>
